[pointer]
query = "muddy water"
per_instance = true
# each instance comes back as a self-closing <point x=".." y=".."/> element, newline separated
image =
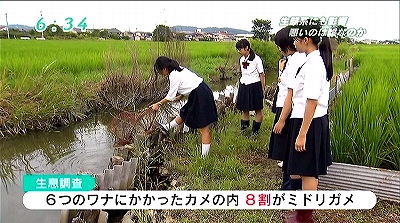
<point x="85" y="145"/>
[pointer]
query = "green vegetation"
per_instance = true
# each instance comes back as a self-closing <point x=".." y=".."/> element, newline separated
<point x="85" y="59"/>
<point x="261" y="28"/>
<point x="340" y="54"/>
<point x="268" y="53"/>
<point x="365" y="119"/>
<point x="234" y="163"/>
<point x="223" y="169"/>
<point x="56" y="82"/>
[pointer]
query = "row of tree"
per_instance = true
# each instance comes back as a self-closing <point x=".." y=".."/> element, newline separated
<point x="261" y="29"/>
<point x="54" y="31"/>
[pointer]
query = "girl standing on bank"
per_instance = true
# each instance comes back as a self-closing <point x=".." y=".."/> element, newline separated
<point x="200" y="109"/>
<point x="310" y="152"/>
<point x="251" y="88"/>
<point x="278" y="146"/>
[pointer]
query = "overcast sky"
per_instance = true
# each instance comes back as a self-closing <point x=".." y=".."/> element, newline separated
<point x="380" y="19"/>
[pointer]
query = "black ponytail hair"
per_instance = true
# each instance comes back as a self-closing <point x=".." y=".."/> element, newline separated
<point x="326" y="54"/>
<point x="163" y="62"/>
<point x="312" y="30"/>
<point x="243" y="43"/>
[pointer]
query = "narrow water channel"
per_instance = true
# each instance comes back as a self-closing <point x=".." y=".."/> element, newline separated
<point x="83" y="146"/>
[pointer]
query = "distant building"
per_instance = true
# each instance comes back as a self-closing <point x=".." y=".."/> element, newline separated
<point x="369" y="41"/>
<point x="366" y="41"/>
<point x="115" y="31"/>
<point x="138" y="35"/>
<point x="224" y="36"/>
<point x="243" y="36"/>
<point x="388" y="42"/>
<point x="89" y="30"/>
<point x="75" y="30"/>
<point x="129" y="34"/>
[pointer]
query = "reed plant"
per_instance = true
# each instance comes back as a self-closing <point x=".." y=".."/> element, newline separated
<point x="39" y="101"/>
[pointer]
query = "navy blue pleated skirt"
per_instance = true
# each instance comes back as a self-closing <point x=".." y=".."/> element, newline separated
<point x="250" y="97"/>
<point x="200" y="109"/>
<point x="315" y="160"/>
<point x="279" y="143"/>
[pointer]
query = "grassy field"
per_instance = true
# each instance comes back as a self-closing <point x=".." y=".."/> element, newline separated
<point x="56" y="82"/>
<point x="86" y="59"/>
<point x="365" y="117"/>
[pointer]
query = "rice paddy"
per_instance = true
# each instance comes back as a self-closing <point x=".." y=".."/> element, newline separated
<point x="365" y="118"/>
<point x="56" y="82"/>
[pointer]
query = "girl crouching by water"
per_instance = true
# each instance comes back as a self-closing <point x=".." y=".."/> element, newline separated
<point x="199" y="111"/>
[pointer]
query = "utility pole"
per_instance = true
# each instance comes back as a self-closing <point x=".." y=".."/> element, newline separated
<point x="41" y="17"/>
<point x="8" y="31"/>
<point x="158" y="42"/>
<point x="165" y="25"/>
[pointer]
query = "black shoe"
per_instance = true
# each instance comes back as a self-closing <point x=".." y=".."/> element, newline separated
<point x="244" y="124"/>
<point x="286" y="182"/>
<point x="163" y="130"/>
<point x="252" y="134"/>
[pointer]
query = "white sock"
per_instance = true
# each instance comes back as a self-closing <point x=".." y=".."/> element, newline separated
<point x="204" y="149"/>
<point x="171" y="125"/>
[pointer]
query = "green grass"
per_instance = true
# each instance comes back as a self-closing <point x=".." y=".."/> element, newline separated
<point x="71" y="57"/>
<point x="221" y="168"/>
<point x="86" y="59"/>
<point x="365" y="119"/>
<point x="83" y="59"/>
<point x="234" y="163"/>
<point x="52" y="82"/>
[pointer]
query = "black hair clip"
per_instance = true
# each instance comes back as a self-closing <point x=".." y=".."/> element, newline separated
<point x="245" y="64"/>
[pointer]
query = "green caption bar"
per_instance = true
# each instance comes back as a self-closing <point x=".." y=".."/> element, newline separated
<point x="58" y="182"/>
